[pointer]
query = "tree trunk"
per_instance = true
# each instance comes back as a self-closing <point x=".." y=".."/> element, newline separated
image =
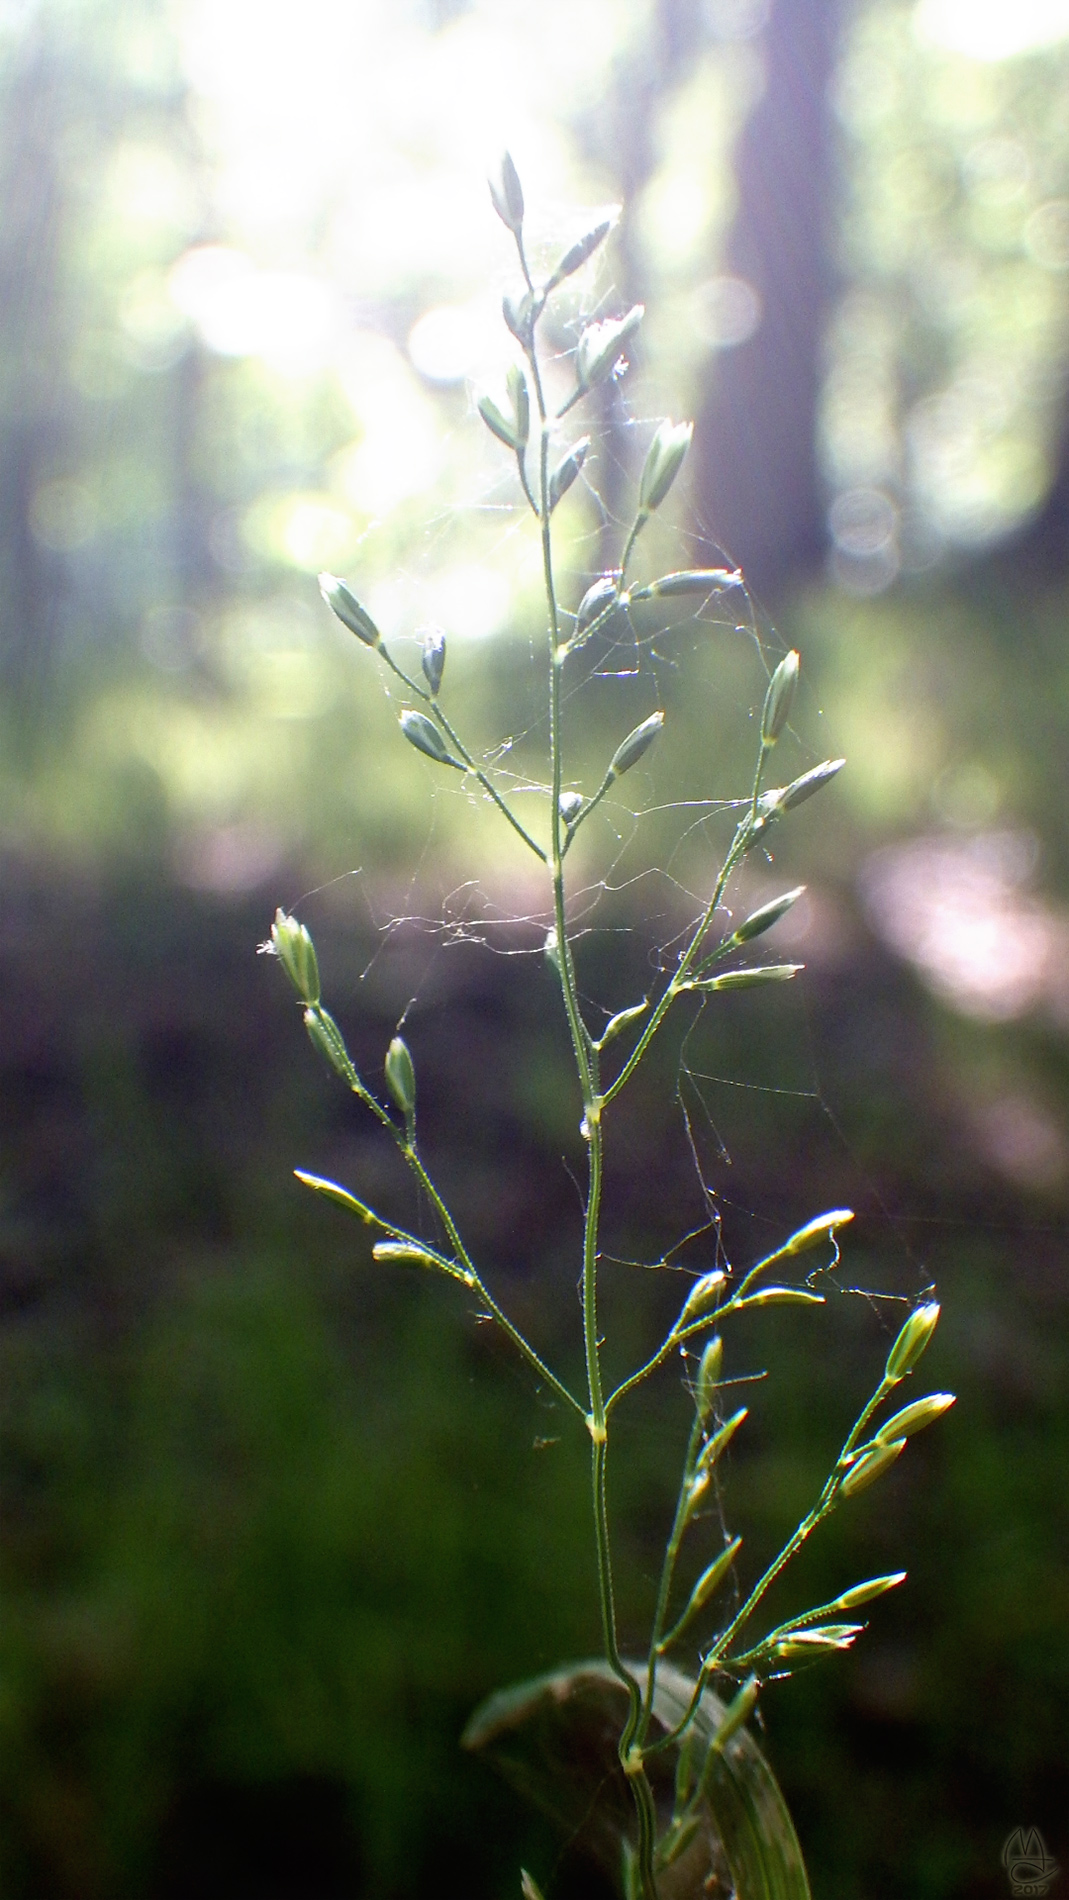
<point x="759" y="488"/>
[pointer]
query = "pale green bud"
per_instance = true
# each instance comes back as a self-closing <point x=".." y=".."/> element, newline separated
<point x="432" y="658"/>
<point x="343" y="602"/>
<point x="517" y="312"/>
<point x="779" y="698"/>
<point x="805" y="1642"/>
<point x="529" y="1887"/>
<point x="631" y="749"/>
<point x="622" y="1020"/>
<point x="566" y="470"/>
<point x="339" y="1195"/>
<point x="802" y="788"/>
<point x="911" y="1341"/>
<point x="664" y="459"/>
<point x="504" y="427"/>
<point x="746" y="979"/>
<point x="570" y="804"/>
<point x="865" y="1592"/>
<point x="425" y="736"/>
<point x="761" y="920"/>
<point x="601" y="344"/>
<point x="913" y="1418"/>
<point x="708" y="1379"/>
<point x="296" y="952"/>
<point x="720" y="1440"/>
<point x="576" y="256"/>
<point x="691" y="580"/>
<point x="871" y="1466"/>
<point x="516" y="383"/>
<point x="404" y="1253"/>
<point x="710" y="1580"/>
<point x="703" y="1294"/>
<point x="815" y="1231"/>
<point x="401" y="1076"/>
<point x="783" y="1296"/>
<point x="325" y="1036"/>
<point x="596" y="605"/>
<point x="506" y="194"/>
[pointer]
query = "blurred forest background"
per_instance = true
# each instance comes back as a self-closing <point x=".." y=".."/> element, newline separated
<point x="274" y="1521"/>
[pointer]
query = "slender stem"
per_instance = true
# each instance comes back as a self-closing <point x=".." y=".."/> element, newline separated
<point x="679" y="1524"/>
<point x="636" y="529"/>
<point x="521" y="463"/>
<point x="825" y="1503"/>
<point x="586" y="1062"/>
<point x="415" y="1162"/>
<point x="456" y="741"/>
<point x="738" y="850"/>
<point x="591" y="805"/>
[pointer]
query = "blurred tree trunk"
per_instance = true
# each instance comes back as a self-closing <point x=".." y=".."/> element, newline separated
<point x="28" y="423"/>
<point x="1039" y="555"/>
<point x="759" y="487"/>
<point x="621" y="134"/>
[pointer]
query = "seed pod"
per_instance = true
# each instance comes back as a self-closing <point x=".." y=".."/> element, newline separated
<point x="720" y="1440"/>
<point x="516" y="384"/>
<point x="631" y="749"/>
<point x="401" y="1076"/>
<point x="425" y="736"/>
<point x="737" y="1712"/>
<point x="296" y="952"/>
<point x="339" y="1195"/>
<point x="802" y="788"/>
<point x="576" y="256"/>
<point x="865" y="1592"/>
<point x="761" y="920"/>
<point x="566" y="470"/>
<point x="529" y="1887"/>
<point x="691" y="580"/>
<point x="517" y="312"/>
<point x="342" y="601"/>
<point x="702" y="1295"/>
<point x="622" y="1019"/>
<point x="404" y="1252"/>
<point x="779" y="698"/>
<point x="911" y="1341"/>
<point x="705" y="1385"/>
<point x="913" y="1418"/>
<point x="498" y="422"/>
<point x="664" y="459"/>
<point x="596" y="605"/>
<point x="815" y="1231"/>
<point x="432" y="658"/>
<point x="710" y="1580"/>
<point x="870" y="1467"/>
<point x="783" y="1296"/>
<point x="324" y="1035"/>
<point x="601" y="344"/>
<point x="747" y="979"/>
<point x="570" y="804"/>
<point x="506" y="194"/>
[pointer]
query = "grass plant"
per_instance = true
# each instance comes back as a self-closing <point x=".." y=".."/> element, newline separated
<point x="684" y="1723"/>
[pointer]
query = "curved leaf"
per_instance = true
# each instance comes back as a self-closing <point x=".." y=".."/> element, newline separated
<point x="554" y="1739"/>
